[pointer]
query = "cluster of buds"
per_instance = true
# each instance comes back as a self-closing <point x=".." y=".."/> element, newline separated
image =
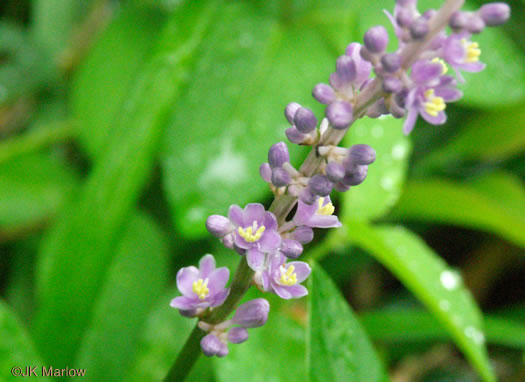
<point x="409" y="82"/>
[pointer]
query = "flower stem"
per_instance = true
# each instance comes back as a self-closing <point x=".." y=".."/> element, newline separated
<point x="187" y="357"/>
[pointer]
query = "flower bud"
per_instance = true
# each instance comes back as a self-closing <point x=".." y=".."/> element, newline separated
<point x="324" y="93"/>
<point x="419" y="28"/>
<point x="362" y="154"/>
<point x="458" y="20"/>
<point x="341" y="187"/>
<point x="334" y="171"/>
<point x="278" y="155"/>
<point x="290" y="110"/>
<point x="211" y="345"/>
<point x="376" y="39"/>
<point x="266" y="172"/>
<point x="237" y="335"/>
<point x="294" y="135"/>
<point x="252" y="314"/>
<point x="339" y="114"/>
<point x="346" y="69"/>
<point x="307" y="196"/>
<point x="223" y="351"/>
<point x="391" y="62"/>
<point x="291" y="248"/>
<point x="218" y="225"/>
<point x="305" y="120"/>
<point x="280" y="177"/>
<point x="228" y="241"/>
<point x="303" y="234"/>
<point x="356" y="177"/>
<point x="404" y="17"/>
<point x="494" y="14"/>
<point x="475" y="24"/>
<point x="392" y="85"/>
<point x="320" y="185"/>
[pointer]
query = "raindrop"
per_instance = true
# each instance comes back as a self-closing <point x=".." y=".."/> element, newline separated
<point x="476" y="335"/>
<point x="377" y="131"/>
<point x="399" y="151"/>
<point x="449" y="280"/>
<point x="387" y="183"/>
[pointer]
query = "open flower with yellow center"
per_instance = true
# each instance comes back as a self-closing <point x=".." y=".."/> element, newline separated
<point x="462" y="54"/>
<point x="201" y="287"/>
<point x="284" y="279"/>
<point x="317" y="215"/>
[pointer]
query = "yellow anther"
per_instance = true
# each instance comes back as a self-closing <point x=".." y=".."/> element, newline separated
<point x="200" y="288"/>
<point x="434" y="104"/>
<point x="288" y="277"/>
<point x="328" y="209"/>
<point x="248" y="234"/>
<point x="444" y="67"/>
<point x="473" y="51"/>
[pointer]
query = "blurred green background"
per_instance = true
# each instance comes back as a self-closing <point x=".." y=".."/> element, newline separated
<point x="124" y="124"/>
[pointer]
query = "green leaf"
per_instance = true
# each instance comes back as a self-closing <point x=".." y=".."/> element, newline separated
<point x="134" y="281"/>
<point x="274" y="352"/>
<point x="445" y="201"/>
<point x="386" y="176"/>
<point x="415" y="325"/>
<point x="427" y="276"/>
<point x="161" y="340"/>
<point x="77" y="251"/>
<point x="16" y="347"/>
<point x="103" y="82"/>
<point x="250" y="67"/>
<point x="338" y="348"/>
<point x="32" y="189"/>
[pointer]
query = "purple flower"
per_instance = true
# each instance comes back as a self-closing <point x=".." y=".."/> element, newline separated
<point x="255" y="232"/>
<point x="211" y="345"/>
<point x="252" y="314"/>
<point x="430" y="92"/>
<point x="201" y="288"/>
<point x="461" y="53"/>
<point x="284" y="278"/>
<point x="316" y="215"/>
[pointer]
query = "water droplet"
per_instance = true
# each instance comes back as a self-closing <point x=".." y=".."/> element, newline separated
<point x="444" y="305"/>
<point x="449" y="280"/>
<point x="476" y="335"/>
<point x="387" y="183"/>
<point x="246" y="40"/>
<point x="399" y="151"/>
<point x="377" y="131"/>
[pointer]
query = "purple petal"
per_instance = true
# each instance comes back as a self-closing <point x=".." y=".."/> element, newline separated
<point x="425" y="71"/>
<point x="448" y="94"/>
<point x="206" y="266"/>
<point x="265" y="281"/>
<point x="302" y="270"/>
<point x="183" y="303"/>
<point x="185" y="278"/>
<point x="253" y="212"/>
<point x="472" y="67"/>
<point x="235" y="215"/>
<point x="217" y="279"/>
<point x="241" y="243"/>
<point x="269" y="221"/>
<point x="219" y="298"/>
<point x="410" y="121"/>
<point x="255" y="259"/>
<point x="297" y="291"/>
<point x="282" y="291"/>
<point x="437" y="120"/>
<point x="270" y="241"/>
<point x="304" y="213"/>
<point x="275" y="262"/>
<point x="324" y="221"/>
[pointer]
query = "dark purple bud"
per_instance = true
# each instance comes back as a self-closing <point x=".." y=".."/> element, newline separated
<point x="303" y="234"/>
<point x="376" y="39"/>
<point x="237" y="335"/>
<point x="223" y="352"/>
<point x="252" y="314"/>
<point x="494" y="14"/>
<point x="266" y="172"/>
<point x="278" y="155"/>
<point x="356" y="177"/>
<point x="346" y="69"/>
<point x="362" y="154"/>
<point x="280" y="177"/>
<point x="219" y="226"/>
<point x="396" y="110"/>
<point x="339" y="114"/>
<point x="188" y="313"/>
<point x="334" y="171"/>
<point x="294" y="135"/>
<point x="290" y="110"/>
<point x="341" y="187"/>
<point x="458" y="20"/>
<point x="305" y="120"/>
<point x="392" y="85"/>
<point x="320" y="185"/>
<point x="291" y="248"/>
<point x="391" y="62"/>
<point x="377" y="109"/>
<point x="419" y="28"/>
<point x="307" y="196"/>
<point x="475" y="24"/>
<point x="404" y="17"/>
<point x="324" y="93"/>
<point x="366" y="54"/>
<point x="211" y="345"/>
